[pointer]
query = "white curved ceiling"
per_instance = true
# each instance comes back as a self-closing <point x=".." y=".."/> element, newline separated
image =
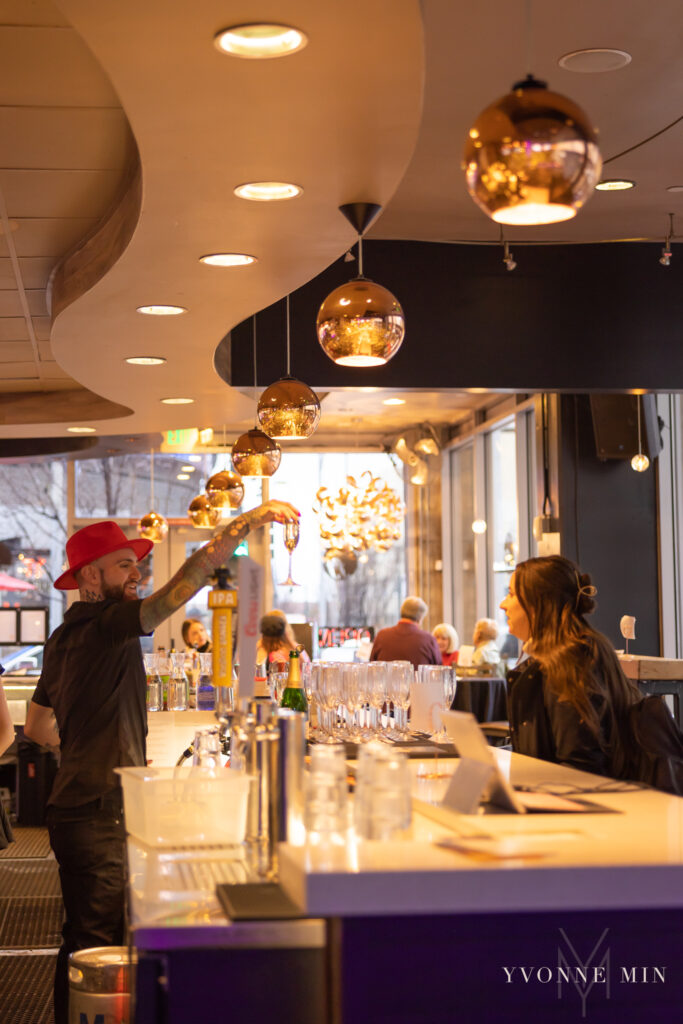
<point x="343" y="118"/>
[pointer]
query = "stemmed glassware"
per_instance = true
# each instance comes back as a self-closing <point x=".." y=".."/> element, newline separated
<point x="446" y="676"/>
<point x="291" y="540"/>
<point x="377" y="693"/>
<point x="401" y="675"/>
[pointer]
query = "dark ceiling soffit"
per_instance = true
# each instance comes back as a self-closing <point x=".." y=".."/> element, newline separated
<point x="27" y="447"/>
<point x="569" y="318"/>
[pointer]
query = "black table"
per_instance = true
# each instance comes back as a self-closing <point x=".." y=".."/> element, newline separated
<point x="484" y="696"/>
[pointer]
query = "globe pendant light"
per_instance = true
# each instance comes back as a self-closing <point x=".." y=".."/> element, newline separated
<point x="202" y="514"/>
<point x="225" y="491"/>
<point x="639" y="462"/>
<point x="361" y="323"/>
<point x="152" y="526"/>
<point x="532" y="157"/>
<point x="254" y="453"/>
<point x="288" y="410"/>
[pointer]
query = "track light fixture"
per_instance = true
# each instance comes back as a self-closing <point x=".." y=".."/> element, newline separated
<point x="665" y="258"/>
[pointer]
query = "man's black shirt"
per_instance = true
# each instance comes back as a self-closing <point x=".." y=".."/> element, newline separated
<point x="94" y="680"/>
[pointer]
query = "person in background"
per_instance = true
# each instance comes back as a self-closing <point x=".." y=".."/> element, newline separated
<point x="6" y="740"/>
<point x="90" y="701"/>
<point x="569" y="700"/>
<point x="195" y="636"/>
<point x="447" y="638"/>
<point x="406" y="641"/>
<point x="485" y="647"/>
<point x="277" y="640"/>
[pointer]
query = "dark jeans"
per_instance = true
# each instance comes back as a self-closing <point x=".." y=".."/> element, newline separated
<point x="89" y="844"/>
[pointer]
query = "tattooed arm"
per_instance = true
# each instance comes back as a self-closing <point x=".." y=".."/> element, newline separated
<point x="198" y="569"/>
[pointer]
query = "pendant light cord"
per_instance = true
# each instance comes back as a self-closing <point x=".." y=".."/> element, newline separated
<point x="528" y="37"/>
<point x="255" y="381"/>
<point x="640" y="450"/>
<point x="288" y="343"/>
<point x="151" y="478"/>
<point x="360" y="255"/>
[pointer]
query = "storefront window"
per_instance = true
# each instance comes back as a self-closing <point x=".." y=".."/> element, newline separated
<point x="502" y="525"/>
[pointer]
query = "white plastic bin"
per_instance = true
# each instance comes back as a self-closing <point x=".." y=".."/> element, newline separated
<point x="173" y="807"/>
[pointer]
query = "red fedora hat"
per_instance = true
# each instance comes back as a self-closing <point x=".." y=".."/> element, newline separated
<point x="91" y="543"/>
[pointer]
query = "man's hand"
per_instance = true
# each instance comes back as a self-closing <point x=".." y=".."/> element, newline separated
<point x="272" y="512"/>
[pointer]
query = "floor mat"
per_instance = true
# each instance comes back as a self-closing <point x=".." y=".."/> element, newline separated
<point x="34" y="877"/>
<point x="26" y="989"/>
<point x="28" y="842"/>
<point x="31" y="923"/>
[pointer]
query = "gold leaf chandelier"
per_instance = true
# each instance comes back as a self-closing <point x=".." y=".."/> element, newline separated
<point x="362" y="516"/>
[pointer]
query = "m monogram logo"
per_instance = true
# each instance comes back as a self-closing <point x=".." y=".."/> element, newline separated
<point x="583" y="974"/>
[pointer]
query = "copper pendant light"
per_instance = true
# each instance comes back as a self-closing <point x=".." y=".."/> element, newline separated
<point x="640" y="461"/>
<point x="532" y="157"/>
<point x="225" y="490"/>
<point x="361" y="323"/>
<point x="254" y="453"/>
<point x="201" y="513"/>
<point x="288" y="410"/>
<point x="152" y="526"/>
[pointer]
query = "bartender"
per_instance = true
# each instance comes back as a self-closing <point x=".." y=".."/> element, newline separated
<point x="90" y="701"/>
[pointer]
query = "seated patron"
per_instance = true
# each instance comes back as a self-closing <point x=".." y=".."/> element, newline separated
<point x="568" y="700"/>
<point x="485" y="647"/>
<point x="406" y="641"/>
<point x="195" y="636"/>
<point x="447" y="638"/>
<point x="277" y="640"/>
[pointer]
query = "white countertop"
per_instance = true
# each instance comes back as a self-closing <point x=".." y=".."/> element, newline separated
<point x="632" y="859"/>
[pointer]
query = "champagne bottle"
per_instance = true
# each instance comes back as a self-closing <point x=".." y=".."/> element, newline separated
<point x="293" y="696"/>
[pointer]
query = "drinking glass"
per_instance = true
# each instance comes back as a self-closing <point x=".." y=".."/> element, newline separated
<point x="376" y="672"/>
<point x="352" y="691"/>
<point x="445" y="675"/>
<point x="382" y="804"/>
<point x="177" y="684"/>
<point x="155" y="698"/>
<point x="291" y="539"/>
<point x="277" y="683"/>
<point x="329" y="696"/>
<point x="401" y="675"/>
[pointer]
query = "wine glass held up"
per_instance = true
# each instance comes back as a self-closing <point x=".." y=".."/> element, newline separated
<point x="291" y="539"/>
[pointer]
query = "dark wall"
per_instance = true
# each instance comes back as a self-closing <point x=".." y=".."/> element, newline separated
<point x="608" y="524"/>
<point x="572" y="318"/>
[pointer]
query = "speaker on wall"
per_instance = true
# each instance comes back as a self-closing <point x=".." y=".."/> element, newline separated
<point x="615" y="425"/>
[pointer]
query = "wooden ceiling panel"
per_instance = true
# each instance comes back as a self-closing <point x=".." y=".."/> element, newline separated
<point x="10" y="304"/>
<point x="45" y="66"/>
<point x="86" y="138"/>
<point x="45" y="352"/>
<point x="58" y="193"/>
<point x="37" y="12"/>
<point x="20" y="371"/>
<point x="15" y="352"/>
<point x="50" y="236"/>
<point x="13" y="329"/>
<point x="41" y="326"/>
<point x="35" y="271"/>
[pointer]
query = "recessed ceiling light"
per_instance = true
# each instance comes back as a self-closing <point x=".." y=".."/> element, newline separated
<point x="393" y="401"/>
<point x="194" y="458"/>
<point x="177" y="401"/>
<point x="183" y="476"/>
<point x="674" y="188"/>
<point x="161" y="310"/>
<point x="187" y="469"/>
<point x="594" y="60"/>
<point x="81" y="430"/>
<point x="267" y="191"/>
<point x="227" y="259"/>
<point x="146" y="360"/>
<point x="260" y="40"/>
<point x="614" y="185"/>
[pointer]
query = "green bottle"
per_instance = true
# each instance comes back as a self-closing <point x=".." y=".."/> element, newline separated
<point x="293" y="696"/>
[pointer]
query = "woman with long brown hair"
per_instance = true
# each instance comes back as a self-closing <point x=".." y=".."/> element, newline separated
<point x="568" y="700"/>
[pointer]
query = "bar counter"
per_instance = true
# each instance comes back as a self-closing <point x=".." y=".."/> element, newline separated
<point x="414" y="932"/>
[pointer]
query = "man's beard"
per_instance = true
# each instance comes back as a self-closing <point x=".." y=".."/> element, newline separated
<point x="115" y="592"/>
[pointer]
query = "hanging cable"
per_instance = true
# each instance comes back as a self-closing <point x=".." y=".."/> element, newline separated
<point x="288" y="343"/>
<point x="643" y="142"/>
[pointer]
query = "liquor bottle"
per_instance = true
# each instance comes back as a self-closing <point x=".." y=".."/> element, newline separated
<point x="294" y="696"/>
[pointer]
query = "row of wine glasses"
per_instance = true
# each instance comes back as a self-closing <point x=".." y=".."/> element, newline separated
<point x="353" y="701"/>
